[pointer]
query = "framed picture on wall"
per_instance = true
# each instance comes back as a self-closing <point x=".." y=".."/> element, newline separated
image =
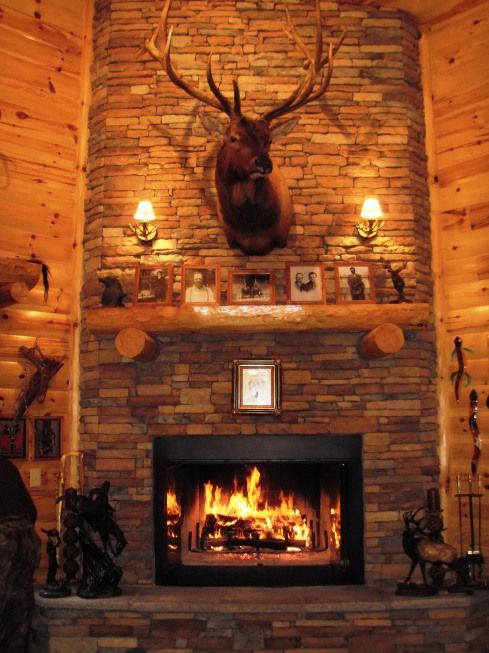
<point x="354" y="283"/>
<point x="251" y="287"/>
<point x="13" y="438"/>
<point x="200" y="284"/>
<point x="153" y="284"/>
<point x="305" y="283"/>
<point x="47" y="437"/>
<point x="256" y="386"/>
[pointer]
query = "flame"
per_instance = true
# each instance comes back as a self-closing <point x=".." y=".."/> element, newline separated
<point x="277" y="522"/>
<point x="172" y="507"/>
<point x="335" y="527"/>
<point x="173" y="513"/>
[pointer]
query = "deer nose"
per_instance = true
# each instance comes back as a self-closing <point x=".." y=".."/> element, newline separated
<point x="263" y="164"/>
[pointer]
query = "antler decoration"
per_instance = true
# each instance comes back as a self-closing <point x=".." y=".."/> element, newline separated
<point x="303" y="94"/>
<point x="38" y="384"/>
<point x="474" y="429"/>
<point x="255" y="207"/>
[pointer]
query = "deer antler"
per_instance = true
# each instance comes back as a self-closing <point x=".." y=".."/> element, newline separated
<point x="304" y="94"/>
<point x="162" y="55"/>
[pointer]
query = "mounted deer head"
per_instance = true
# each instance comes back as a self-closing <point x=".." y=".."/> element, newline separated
<point x="255" y="205"/>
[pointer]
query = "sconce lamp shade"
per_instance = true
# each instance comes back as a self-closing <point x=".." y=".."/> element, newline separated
<point x="371" y="211"/>
<point x="145" y="216"/>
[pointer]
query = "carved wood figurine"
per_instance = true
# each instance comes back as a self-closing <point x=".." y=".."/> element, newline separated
<point x="255" y="205"/>
<point x="37" y="386"/>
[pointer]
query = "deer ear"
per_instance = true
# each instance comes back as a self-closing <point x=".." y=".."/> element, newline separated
<point x="211" y="124"/>
<point x="283" y="128"/>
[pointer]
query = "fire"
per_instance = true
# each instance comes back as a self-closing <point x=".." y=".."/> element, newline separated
<point x="172" y="519"/>
<point x="172" y="507"/>
<point x="246" y="515"/>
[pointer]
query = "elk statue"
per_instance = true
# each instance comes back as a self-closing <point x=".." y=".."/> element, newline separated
<point x="254" y="201"/>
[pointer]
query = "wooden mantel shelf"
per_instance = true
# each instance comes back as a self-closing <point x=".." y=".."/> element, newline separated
<point x="160" y="320"/>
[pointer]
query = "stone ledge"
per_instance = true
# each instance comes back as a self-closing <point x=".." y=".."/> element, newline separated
<point x="263" y="599"/>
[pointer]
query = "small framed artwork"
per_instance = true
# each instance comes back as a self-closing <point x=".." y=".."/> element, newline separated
<point x="305" y="283"/>
<point x="256" y="386"/>
<point x="13" y="438"/>
<point x="153" y="284"/>
<point x="354" y="283"/>
<point x="200" y="284"/>
<point x="47" y="437"/>
<point x="250" y="287"/>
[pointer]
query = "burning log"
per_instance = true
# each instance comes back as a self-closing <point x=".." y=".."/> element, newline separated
<point x="234" y="532"/>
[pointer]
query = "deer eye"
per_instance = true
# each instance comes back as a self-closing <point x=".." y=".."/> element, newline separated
<point x="234" y="138"/>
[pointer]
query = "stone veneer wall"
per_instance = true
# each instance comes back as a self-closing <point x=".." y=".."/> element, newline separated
<point x="365" y="137"/>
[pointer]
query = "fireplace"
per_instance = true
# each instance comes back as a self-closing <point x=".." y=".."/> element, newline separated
<point x="276" y="511"/>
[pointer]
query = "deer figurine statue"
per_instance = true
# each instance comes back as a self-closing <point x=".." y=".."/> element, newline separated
<point x="255" y="207"/>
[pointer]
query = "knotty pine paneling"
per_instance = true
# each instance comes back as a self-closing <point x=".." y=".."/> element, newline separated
<point x="45" y="50"/>
<point x="456" y="70"/>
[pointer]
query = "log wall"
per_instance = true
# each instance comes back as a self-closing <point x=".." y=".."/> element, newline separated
<point x="43" y="98"/>
<point x="455" y="79"/>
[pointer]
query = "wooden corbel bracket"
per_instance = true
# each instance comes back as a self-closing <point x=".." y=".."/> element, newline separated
<point x="384" y="340"/>
<point x="17" y="278"/>
<point x="136" y="344"/>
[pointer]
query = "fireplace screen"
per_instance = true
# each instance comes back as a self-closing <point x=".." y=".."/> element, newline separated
<point x="225" y="515"/>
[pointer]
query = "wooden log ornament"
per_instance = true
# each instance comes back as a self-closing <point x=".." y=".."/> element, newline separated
<point x="385" y="340"/>
<point x="13" y="293"/>
<point x="136" y="344"/>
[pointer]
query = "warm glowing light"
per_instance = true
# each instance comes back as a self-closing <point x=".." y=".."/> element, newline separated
<point x="335" y="527"/>
<point x="249" y="513"/>
<point x="172" y="507"/>
<point x="145" y="216"/>
<point x="371" y="213"/>
<point x="371" y="209"/>
<point x="144" y="212"/>
<point x="173" y="514"/>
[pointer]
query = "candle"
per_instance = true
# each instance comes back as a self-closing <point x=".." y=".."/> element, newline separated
<point x="458" y="482"/>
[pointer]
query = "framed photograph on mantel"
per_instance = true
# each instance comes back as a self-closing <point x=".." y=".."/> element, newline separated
<point x="305" y="283"/>
<point x="13" y="438"/>
<point x="256" y="386"/>
<point x="354" y="283"/>
<point x="200" y="285"/>
<point x="250" y="287"/>
<point x="154" y="284"/>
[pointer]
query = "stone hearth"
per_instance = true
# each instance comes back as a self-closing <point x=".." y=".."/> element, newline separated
<point x="254" y="620"/>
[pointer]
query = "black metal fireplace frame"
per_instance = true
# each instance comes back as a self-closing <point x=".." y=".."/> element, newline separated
<point x="200" y="449"/>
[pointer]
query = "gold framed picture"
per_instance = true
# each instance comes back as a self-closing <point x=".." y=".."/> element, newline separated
<point x="256" y="386"/>
<point x="153" y="284"/>
<point x="305" y="283"/>
<point x="354" y="283"/>
<point x="251" y="287"/>
<point x="200" y="285"/>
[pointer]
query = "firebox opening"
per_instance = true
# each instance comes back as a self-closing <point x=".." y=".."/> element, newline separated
<point x="289" y="515"/>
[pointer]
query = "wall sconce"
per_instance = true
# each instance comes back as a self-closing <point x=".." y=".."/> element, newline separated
<point x="145" y="230"/>
<point x="369" y="226"/>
